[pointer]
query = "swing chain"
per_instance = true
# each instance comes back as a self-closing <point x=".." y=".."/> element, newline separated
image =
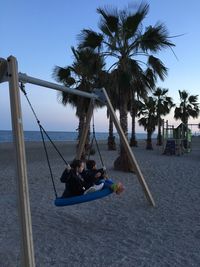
<point x="95" y="139"/>
<point x="43" y="131"/>
<point x="22" y="87"/>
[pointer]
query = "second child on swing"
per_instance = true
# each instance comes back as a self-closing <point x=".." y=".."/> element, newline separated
<point x="99" y="179"/>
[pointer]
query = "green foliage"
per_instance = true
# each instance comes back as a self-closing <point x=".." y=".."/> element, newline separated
<point x="83" y="74"/>
<point x="148" y="111"/>
<point x="163" y="102"/>
<point x="109" y="22"/>
<point x="189" y="107"/>
<point x="122" y="38"/>
<point x="89" y="38"/>
<point x="155" y="38"/>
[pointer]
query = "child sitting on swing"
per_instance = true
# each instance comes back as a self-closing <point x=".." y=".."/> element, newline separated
<point x="78" y="181"/>
<point x="95" y="176"/>
<point x="98" y="179"/>
<point x="73" y="179"/>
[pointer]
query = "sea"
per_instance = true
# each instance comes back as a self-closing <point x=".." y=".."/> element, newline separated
<point x="6" y="136"/>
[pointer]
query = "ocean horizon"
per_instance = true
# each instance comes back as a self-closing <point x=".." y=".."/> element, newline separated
<point x="6" y="136"/>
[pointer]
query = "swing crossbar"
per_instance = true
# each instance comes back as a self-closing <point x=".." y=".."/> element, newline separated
<point x="28" y="79"/>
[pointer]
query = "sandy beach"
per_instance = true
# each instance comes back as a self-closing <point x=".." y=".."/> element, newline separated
<point x="114" y="231"/>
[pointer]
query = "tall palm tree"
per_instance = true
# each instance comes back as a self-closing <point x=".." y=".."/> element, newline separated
<point x="111" y="86"/>
<point x="142" y="85"/>
<point x="189" y="107"/>
<point x="83" y="75"/>
<point x="164" y="104"/>
<point x="149" y="119"/>
<point x="122" y="37"/>
<point x="135" y="105"/>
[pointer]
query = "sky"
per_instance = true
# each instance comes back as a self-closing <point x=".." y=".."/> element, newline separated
<point x="40" y="35"/>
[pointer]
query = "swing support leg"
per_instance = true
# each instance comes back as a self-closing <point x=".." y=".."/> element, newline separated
<point x="85" y="130"/>
<point x="124" y="142"/>
<point x="128" y="150"/>
<point x="27" y="248"/>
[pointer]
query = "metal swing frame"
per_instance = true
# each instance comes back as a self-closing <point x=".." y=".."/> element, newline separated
<point x="9" y="73"/>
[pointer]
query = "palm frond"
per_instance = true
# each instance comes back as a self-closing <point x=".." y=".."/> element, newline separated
<point x="193" y="99"/>
<point x="109" y="20"/>
<point x="160" y="92"/>
<point x="183" y="95"/>
<point x="148" y="111"/>
<point x="63" y="75"/>
<point x="132" y="22"/>
<point x="151" y="78"/>
<point x="155" y="38"/>
<point x="89" y="38"/>
<point x="158" y="67"/>
<point x="177" y="113"/>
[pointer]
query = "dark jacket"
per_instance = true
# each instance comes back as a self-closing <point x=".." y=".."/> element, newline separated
<point x="74" y="184"/>
<point x="90" y="174"/>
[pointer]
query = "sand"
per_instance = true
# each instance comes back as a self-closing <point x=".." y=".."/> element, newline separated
<point x="114" y="231"/>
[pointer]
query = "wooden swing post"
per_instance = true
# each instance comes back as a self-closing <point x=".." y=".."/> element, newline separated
<point x="21" y="171"/>
<point x="128" y="150"/>
<point x="124" y="142"/>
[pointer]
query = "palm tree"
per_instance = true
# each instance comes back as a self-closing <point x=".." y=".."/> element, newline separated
<point x="189" y="107"/>
<point x="122" y="38"/>
<point x="112" y="93"/>
<point x="135" y="105"/>
<point x="163" y="107"/>
<point x="83" y="75"/>
<point x="141" y="86"/>
<point x="149" y="119"/>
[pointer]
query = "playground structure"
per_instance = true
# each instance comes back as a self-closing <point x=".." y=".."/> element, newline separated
<point x="9" y="73"/>
<point x="176" y="141"/>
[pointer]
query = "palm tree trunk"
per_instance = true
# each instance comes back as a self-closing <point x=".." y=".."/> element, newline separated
<point x="149" y="141"/>
<point x="159" y="137"/>
<point x="133" y="141"/>
<point x="185" y="133"/>
<point x="122" y="162"/>
<point x="81" y="125"/>
<point x="82" y="121"/>
<point x="80" y="130"/>
<point x="111" y="137"/>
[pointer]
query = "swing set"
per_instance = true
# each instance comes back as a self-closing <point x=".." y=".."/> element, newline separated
<point x="9" y="73"/>
<point x="59" y="201"/>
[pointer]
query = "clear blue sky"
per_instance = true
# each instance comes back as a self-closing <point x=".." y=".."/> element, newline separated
<point x="40" y="34"/>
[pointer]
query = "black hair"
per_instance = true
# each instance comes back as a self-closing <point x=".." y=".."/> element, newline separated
<point x="90" y="164"/>
<point x="76" y="163"/>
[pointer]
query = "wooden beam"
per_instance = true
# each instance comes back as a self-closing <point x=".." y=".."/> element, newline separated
<point x="3" y="70"/>
<point x="27" y="248"/>
<point x="83" y="137"/>
<point x="128" y="150"/>
<point x="32" y="80"/>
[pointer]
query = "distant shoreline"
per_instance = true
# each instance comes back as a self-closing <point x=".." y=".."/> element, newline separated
<point x="6" y="136"/>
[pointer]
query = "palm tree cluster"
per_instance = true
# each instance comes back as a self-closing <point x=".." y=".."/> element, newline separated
<point x="123" y="40"/>
<point x="152" y="110"/>
<point x="189" y="107"/>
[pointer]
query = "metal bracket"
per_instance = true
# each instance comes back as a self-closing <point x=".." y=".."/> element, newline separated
<point x="101" y="95"/>
<point x="3" y="70"/>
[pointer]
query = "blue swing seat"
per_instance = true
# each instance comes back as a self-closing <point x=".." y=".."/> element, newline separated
<point x="60" y="202"/>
